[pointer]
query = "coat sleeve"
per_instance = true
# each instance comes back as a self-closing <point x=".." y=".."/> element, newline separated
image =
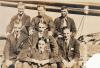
<point x="51" y="25"/>
<point x="77" y="51"/>
<point x="7" y="49"/>
<point x="10" y="25"/>
<point x="27" y="21"/>
<point x="54" y="50"/>
<point x="24" y="55"/>
<point x="72" y="26"/>
<point x="56" y="29"/>
<point x="33" y="24"/>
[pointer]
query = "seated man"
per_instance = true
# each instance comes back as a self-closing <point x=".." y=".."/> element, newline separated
<point x="68" y="50"/>
<point x="42" y="50"/>
<point x="9" y="49"/>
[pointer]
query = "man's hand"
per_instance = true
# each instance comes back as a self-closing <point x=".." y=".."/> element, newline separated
<point x="8" y="62"/>
<point x="35" y="61"/>
<point x="71" y="63"/>
<point x="65" y="62"/>
<point x="50" y="33"/>
<point x="31" y="31"/>
<point x="60" y="36"/>
<point x="28" y="59"/>
<point x="7" y="34"/>
<point x="43" y="62"/>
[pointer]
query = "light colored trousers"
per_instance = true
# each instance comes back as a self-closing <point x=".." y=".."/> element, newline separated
<point x="74" y="66"/>
<point x="26" y="65"/>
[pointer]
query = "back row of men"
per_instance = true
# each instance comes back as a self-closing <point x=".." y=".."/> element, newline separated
<point x="41" y="43"/>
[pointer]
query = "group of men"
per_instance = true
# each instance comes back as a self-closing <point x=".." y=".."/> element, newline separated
<point x="41" y="42"/>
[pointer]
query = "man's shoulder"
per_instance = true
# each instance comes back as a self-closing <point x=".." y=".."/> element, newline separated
<point x="58" y="18"/>
<point x="34" y="18"/>
<point x="48" y="16"/>
<point x="75" y="41"/>
<point x="14" y="17"/>
<point x="27" y="16"/>
<point x="69" y="18"/>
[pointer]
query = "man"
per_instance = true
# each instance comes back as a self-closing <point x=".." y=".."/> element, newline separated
<point x="9" y="49"/>
<point x="68" y="50"/>
<point x="43" y="18"/>
<point x="64" y="22"/>
<point x="20" y="19"/>
<point x="35" y="52"/>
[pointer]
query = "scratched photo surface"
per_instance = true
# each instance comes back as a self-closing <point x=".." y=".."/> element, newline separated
<point x="88" y="25"/>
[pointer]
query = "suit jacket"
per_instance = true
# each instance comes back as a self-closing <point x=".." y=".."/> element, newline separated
<point x="31" y="53"/>
<point x="25" y="21"/>
<point x="69" y="51"/>
<point x="70" y="22"/>
<point x="10" y="47"/>
<point x="46" y="19"/>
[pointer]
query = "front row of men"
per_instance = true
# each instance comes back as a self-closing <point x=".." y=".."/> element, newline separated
<point x="41" y="43"/>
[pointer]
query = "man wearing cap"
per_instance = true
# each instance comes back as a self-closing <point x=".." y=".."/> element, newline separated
<point x="64" y="22"/>
<point x="20" y="19"/>
<point x="35" y="54"/>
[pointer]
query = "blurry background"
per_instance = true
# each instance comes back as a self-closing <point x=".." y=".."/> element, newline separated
<point x="91" y="23"/>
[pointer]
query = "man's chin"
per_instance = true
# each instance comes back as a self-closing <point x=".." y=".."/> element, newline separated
<point x="20" y="14"/>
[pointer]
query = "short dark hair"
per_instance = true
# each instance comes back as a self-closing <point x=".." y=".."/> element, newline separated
<point x="63" y="7"/>
<point x="43" y="39"/>
<point x="41" y="6"/>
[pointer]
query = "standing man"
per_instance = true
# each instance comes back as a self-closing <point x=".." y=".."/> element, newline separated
<point x="43" y="18"/>
<point x="20" y="19"/>
<point x="68" y="50"/>
<point x="64" y="22"/>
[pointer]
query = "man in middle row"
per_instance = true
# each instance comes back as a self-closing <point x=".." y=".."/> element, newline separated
<point x="42" y="49"/>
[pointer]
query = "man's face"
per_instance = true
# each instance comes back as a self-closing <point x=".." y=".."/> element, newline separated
<point x="20" y="10"/>
<point x="64" y="12"/>
<point x="67" y="34"/>
<point x="17" y="31"/>
<point x="42" y="45"/>
<point x="42" y="27"/>
<point x="41" y="11"/>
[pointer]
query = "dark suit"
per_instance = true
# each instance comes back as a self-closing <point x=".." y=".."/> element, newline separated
<point x="25" y="20"/>
<point x="69" y="51"/>
<point x="9" y="49"/>
<point x="31" y="53"/>
<point x="10" y="46"/>
<point x="70" y="24"/>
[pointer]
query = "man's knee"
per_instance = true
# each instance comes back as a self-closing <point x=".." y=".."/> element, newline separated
<point x="4" y="65"/>
<point x="53" y="65"/>
<point x="18" y="64"/>
<point x="76" y="65"/>
<point x="26" y="65"/>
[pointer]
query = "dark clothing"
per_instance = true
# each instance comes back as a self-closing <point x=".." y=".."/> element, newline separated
<point x="58" y="25"/>
<point x="70" y="51"/>
<point x="24" y="34"/>
<point x="33" y="53"/>
<point x="25" y="20"/>
<point x="46" y="19"/>
<point x="10" y="47"/>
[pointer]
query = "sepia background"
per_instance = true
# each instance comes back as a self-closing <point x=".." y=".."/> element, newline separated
<point x="91" y="24"/>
